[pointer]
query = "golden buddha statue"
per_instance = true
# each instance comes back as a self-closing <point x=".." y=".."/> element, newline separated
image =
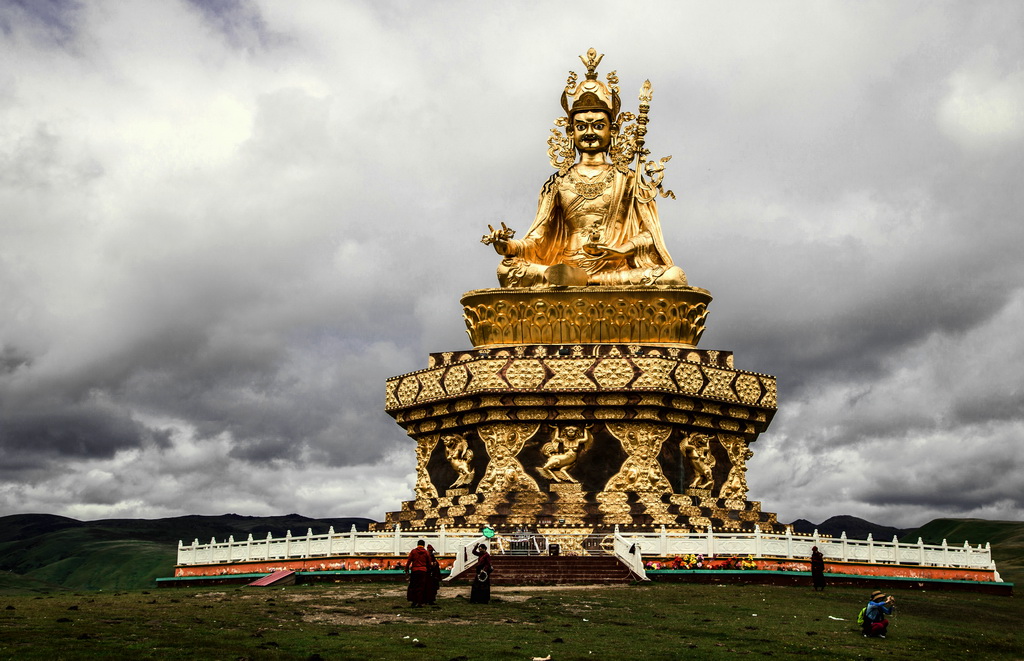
<point x="597" y="222"/>
<point x="593" y="329"/>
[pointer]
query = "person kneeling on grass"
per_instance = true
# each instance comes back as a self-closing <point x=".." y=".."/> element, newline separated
<point x="878" y="607"/>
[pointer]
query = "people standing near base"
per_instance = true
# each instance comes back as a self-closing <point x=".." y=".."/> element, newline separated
<point x="880" y="605"/>
<point x="417" y="567"/>
<point x="817" y="569"/>
<point x="481" y="591"/>
<point x="433" y="578"/>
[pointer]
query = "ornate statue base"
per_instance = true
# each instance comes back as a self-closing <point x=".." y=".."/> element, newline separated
<point x="583" y="407"/>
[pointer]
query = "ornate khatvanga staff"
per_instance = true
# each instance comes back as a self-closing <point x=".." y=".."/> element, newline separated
<point x="645" y="191"/>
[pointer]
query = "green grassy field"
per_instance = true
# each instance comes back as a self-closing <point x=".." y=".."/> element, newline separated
<point x="640" y="622"/>
<point x="82" y="558"/>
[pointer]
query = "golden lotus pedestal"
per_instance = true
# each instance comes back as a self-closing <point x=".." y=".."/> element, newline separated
<point x="583" y="408"/>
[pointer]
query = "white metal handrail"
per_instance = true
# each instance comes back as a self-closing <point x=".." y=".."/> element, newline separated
<point x="630" y="553"/>
<point x="464" y="558"/>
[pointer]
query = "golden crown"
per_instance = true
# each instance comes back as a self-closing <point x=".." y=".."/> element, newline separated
<point x="591" y="94"/>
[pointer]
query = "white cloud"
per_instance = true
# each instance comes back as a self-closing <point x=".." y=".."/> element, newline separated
<point x="224" y="226"/>
<point x="984" y="105"/>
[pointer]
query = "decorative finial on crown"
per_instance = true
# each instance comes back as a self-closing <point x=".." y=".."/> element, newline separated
<point x="590" y="62"/>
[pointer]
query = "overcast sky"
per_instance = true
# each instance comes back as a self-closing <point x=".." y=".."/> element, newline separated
<point x="223" y="225"/>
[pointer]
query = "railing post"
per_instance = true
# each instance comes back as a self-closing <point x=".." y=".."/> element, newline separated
<point x="757" y="541"/>
<point x="248" y="547"/>
<point x="352" y="538"/>
<point x="309" y="543"/>
<point x="871" y="549"/>
<point x="842" y="539"/>
<point x="330" y="541"/>
<point x="945" y="553"/>
<point x="396" y="549"/>
<point x="442" y="540"/>
<point x="711" y="543"/>
<point x="288" y="544"/>
<point x="663" y="542"/>
<point x="789" y="542"/>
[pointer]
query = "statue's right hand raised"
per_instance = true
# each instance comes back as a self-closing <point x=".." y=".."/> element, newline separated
<point x="499" y="238"/>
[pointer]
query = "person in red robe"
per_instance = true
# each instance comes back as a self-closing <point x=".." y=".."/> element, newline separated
<point x="417" y="567"/>
<point x="433" y="579"/>
<point x="817" y="569"/>
<point x="481" y="590"/>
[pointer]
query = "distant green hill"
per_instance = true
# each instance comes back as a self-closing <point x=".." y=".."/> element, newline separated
<point x="1006" y="538"/>
<point x="43" y="552"/>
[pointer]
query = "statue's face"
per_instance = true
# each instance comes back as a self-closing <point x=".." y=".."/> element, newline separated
<point x="591" y="132"/>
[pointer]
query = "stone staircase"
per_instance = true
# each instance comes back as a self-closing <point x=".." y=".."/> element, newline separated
<point x="556" y="570"/>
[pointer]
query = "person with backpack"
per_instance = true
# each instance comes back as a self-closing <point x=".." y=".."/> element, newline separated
<point x="872" y="617"/>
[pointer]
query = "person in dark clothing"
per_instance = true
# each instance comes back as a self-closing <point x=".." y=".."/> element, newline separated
<point x="417" y="567"/>
<point x="481" y="591"/>
<point x="817" y="569"/>
<point x="880" y="605"/>
<point x="433" y="579"/>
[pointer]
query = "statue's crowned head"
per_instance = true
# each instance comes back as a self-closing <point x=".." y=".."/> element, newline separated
<point x="591" y="95"/>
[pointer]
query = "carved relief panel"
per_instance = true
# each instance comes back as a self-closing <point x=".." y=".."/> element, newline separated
<point x="504" y="471"/>
<point x="424" y="486"/>
<point x="563" y="451"/>
<point x="641" y="471"/>
<point x="695" y="449"/>
<point x="460" y="456"/>
<point x="735" y="486"/>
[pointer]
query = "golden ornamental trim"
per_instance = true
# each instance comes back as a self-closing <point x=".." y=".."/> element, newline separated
<point x="655" y="376"/>
<point x="586" y="315"/>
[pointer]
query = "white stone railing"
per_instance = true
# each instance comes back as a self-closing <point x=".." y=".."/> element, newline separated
<point x="663" y="543"/>
<point x="291" y="547"/>
<point x="790" y="546"/>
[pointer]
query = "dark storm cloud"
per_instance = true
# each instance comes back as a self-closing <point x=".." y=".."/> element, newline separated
<point x="240" y="21"/>
<point x="69" y="430"/>
<point x="11" y="359"/>
<point x="47" y="20"/>
<point x="227" y="223"/>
